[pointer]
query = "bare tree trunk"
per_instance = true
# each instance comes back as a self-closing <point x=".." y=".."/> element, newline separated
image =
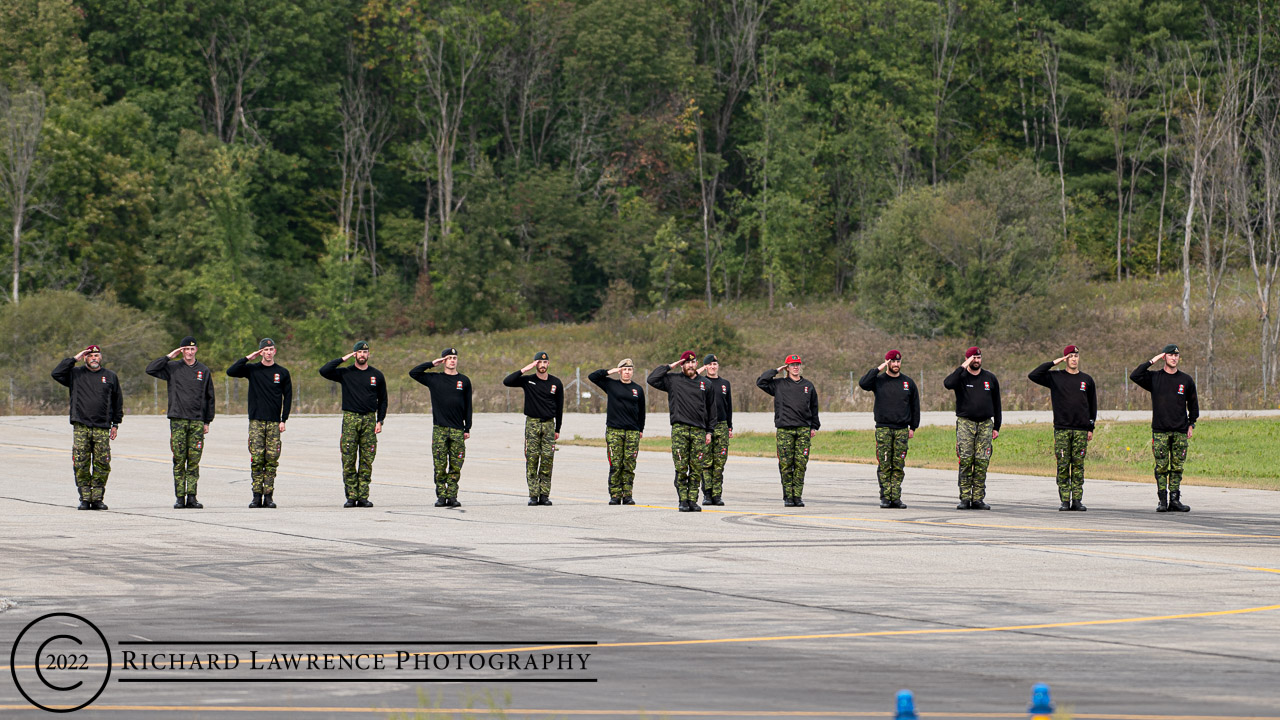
<point x="365" y="121"/>
<point x="22" y="176"/>
<point x="946" y="55"/>
<point x="1057" y="106"/>
<point x="706" y="211"/>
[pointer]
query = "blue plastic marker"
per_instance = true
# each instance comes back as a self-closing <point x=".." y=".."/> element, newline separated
<point x="906" y="706"/>
<point x="1041" y="706"/>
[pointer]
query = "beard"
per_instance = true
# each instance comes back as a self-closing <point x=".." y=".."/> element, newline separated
<point x="93" y="365"/>
<point x="690" y="373"/>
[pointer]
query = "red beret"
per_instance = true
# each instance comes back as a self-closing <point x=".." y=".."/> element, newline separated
<point x="1069" y="349"/>
<point x="688" y="355"/>
<point x="975" y="350"/>
<point x="92" y="349"/>
<point x="893" y="355"/>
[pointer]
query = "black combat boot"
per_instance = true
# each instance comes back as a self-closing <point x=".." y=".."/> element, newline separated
<point x="1066" y="505"/>
<point x="788" y="501"/>
<point x="544" y="500"/>
<point x="98" y="505"/>
<point x="694" y="506"/>
<point x="885" y="503"/>
<point x="442" y="502"/>
<point x="684" y="506"/>
<point x="257" y="500"/>
<point x="1163" y="505"/>
<point x="628" y="500"/>
<point x="797" y="501"/>
<point x="453" y="502"/>
<point x="192" y="502"/>
<point x="1175" y="502"/>
<point x="181" y="503"/>
<point x="965" y="504"/>
<point x="533" y="500"/>
<point x="364" y="502"/>
<point x="350" y="503"/>
<point x="899" y="505"/>
<point x="267" y="502"/>
<point x="980" y="505"/>
<point x="1077" y="505"/>
<point x="615" y="501"/>
<point x="84" y="505"/>
<point x="715" y="500"/>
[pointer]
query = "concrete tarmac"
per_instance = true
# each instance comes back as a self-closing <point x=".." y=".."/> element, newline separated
<point x="746" y="610"/>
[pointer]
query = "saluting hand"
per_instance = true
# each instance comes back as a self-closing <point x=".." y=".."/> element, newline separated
<point x="436" y="362"/>
<point x="348" y="356"/>
<point x="528" y="367"/>
<point x="883" y="365"/>
<point x="176" y="352"/>
<point x="1157" y="358"/>
<point x="967" y="362"/>
<point x="1060" y="360"/>
<point x="79" y="356"/>
<point x="253" y="354"/>
<point x="701" y="370"/>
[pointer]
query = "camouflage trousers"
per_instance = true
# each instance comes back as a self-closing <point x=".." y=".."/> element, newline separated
<point x="891" y="460"/>
<point x="186" y="440"/>
<point x="359" y="443"/>
<point x="539" y="454"/>
<point x="1069" y="447"/>
<point x="448" y="452"/>
<point x="793" y="459"/>
<point x="264" y="455"/>
<point x="973" y="450"/>
<point x="622" y="448"/>
<point x="1170" y="450"/>
<point x="689" y="452"/>
<point x="91" y="459"/>
<point x="717" y="454"/>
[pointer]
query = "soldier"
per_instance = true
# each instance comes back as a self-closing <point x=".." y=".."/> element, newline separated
<point x="623" y="427"/>
<point x="190" y="412"/>
<point x="364" y="407"/>
<point x="270" y="397"/>
<point x="718" y="453"/>
<point x="977" y="424"/>
<point x="1174" y="411"/>
<point x="543" y="411"/>
<point x="795" y="415"/>
<point x="692" y="408"/>
<point x="450" y="422"/>
<point x="1075" y="408"/>
<point x="897" y="414"/>
<point x="97" y="407"/>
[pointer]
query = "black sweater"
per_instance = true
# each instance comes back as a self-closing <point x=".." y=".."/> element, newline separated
<point x="96" y="400"/>
<point x="977" y="396"/>
<point x="723" y="393"/>
<point x="543" y="399"/>
<point x="690" y="400"/>
<point x="1174" y="404"/>
<point x="270" y="389"/>
<point x="795" y="402"/>
<point x="1074" y="397"/>
<point x="450" y="396"/>
<point x="190" y="388"/>
<point x="897" y="399"/>
<point x="363" y="391"/>
<point x="625" y="410"/>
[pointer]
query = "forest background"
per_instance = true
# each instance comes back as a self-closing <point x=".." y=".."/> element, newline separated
<point x="600" y="178"/>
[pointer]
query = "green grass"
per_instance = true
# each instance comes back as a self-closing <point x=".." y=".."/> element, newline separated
<point x="1225" y="453"/>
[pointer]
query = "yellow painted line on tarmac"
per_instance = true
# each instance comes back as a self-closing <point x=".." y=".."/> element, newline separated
<point x="823" y="636"/>
<point x="506" y="712"/>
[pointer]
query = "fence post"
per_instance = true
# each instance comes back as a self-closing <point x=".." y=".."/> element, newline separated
<point x="1124" y="380"/>
<point x="577" y="389"/>
<point x="10" y="396"/>
<point x="155" y="396"/>
<point x="226" y="393"/>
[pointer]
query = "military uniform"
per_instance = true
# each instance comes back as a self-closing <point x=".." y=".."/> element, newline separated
<point x="1075" y="410"/>
<point x="364" y="407"/>
<point x="897" y="416"/>
<point x="270" y="400"/>
<point x="718" y="451"/>
<point x="978" y="416"/>
<point x="451" y="422"/>
<point x="691" y="407"/>
<point x="191" y="408"/>
<point x="544" y="411"/>
<point x="97" y="406"/>
<point x="795" y="419"/>
<point x="1175" y="407"/>
<point x="624" y="424"/>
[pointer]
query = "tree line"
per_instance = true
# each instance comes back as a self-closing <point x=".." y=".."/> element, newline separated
<point x="378" y="167"/>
